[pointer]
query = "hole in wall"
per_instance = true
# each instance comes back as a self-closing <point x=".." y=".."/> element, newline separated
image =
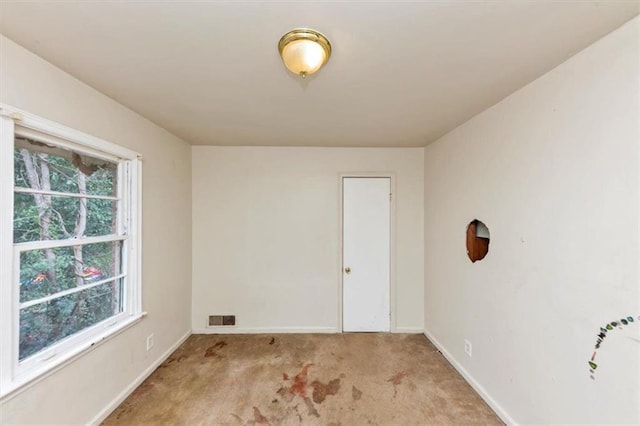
<point x="477" y="240"/>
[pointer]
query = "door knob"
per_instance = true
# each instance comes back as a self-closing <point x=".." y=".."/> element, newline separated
<point x="347" y="270"/>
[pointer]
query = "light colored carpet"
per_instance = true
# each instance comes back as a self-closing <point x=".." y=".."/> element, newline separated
<point x="315" y="379"/>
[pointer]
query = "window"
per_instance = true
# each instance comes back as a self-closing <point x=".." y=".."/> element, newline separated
<point x="70" y="246"/>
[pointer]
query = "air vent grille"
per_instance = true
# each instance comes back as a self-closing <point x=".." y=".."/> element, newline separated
<point x="220" y="320"/>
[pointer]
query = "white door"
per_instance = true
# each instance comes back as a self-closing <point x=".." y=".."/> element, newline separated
<point x="366" y="253"/>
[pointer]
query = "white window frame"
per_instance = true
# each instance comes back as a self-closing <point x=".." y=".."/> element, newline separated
<point x="15" y="374"/>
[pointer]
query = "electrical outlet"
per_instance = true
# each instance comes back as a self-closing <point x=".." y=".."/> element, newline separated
<point x="468" y="348"/>
<point x="149" y="341"/>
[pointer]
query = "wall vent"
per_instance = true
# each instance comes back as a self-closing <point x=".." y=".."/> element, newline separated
<point x="218" y="320"/>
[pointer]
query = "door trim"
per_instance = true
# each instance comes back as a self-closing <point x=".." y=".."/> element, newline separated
<point x="392" y="243"/>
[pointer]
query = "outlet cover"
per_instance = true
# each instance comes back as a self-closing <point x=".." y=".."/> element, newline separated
<point x="468" y="348"/>
<point x="149" y="341"/>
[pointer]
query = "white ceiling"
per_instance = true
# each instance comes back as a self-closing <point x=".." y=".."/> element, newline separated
<point x="401" y="73"/>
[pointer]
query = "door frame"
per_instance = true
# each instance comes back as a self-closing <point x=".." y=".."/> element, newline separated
<point x="392" y="243"/>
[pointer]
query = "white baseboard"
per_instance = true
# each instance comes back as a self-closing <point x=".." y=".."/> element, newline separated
<point x="102" y="415"/>
<point x="501" y="412"/>
<point x="408" y="330"/>
<point x="263" y="330"/>
<point x="287" y="330"/>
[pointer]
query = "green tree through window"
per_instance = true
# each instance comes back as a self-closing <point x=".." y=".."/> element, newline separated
<point x="62" y="195"/>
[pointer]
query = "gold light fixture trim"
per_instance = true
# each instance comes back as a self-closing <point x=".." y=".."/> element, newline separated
<point x="304" y="51"/>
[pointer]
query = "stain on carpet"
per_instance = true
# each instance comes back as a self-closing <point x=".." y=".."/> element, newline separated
<point x="273" y="340"/>
<point x="173" y="359"/>
<point x="321" y="390"/>
<point x="299" y="386"/>
<point x="258" y="418"/>
<point x="285" y="394"/>
<point x="310" y="407"/>
<point x="211" y="350"/>
<point x="396" y="380"/>
<point x="356" y="393"/>
<point x="125" y="409"/>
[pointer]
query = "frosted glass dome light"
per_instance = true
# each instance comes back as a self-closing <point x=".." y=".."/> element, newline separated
<point x="304" y="51"/>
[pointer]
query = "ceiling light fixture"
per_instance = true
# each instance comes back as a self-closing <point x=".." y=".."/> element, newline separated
<point x="304" y="51"/>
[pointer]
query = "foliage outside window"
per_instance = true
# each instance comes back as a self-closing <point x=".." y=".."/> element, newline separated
<point x="75" y="275"/>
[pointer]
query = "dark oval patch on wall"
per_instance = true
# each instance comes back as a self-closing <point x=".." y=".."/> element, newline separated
<point x="477" y="240"/>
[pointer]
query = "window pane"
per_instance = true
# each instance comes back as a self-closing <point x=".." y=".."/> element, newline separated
<point x="60" y="218"/>
<point x="49" y="271"/>
<point x="56" y="169"/>
<point x="47" y="323"/>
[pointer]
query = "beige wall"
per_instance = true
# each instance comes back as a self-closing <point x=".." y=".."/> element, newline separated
<point x="82" y="389"/>
<point x="266" y="235"/>
<point x="553" y="171"/>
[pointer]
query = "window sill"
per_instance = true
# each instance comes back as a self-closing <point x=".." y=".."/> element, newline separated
<point x="21" y="384"/>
